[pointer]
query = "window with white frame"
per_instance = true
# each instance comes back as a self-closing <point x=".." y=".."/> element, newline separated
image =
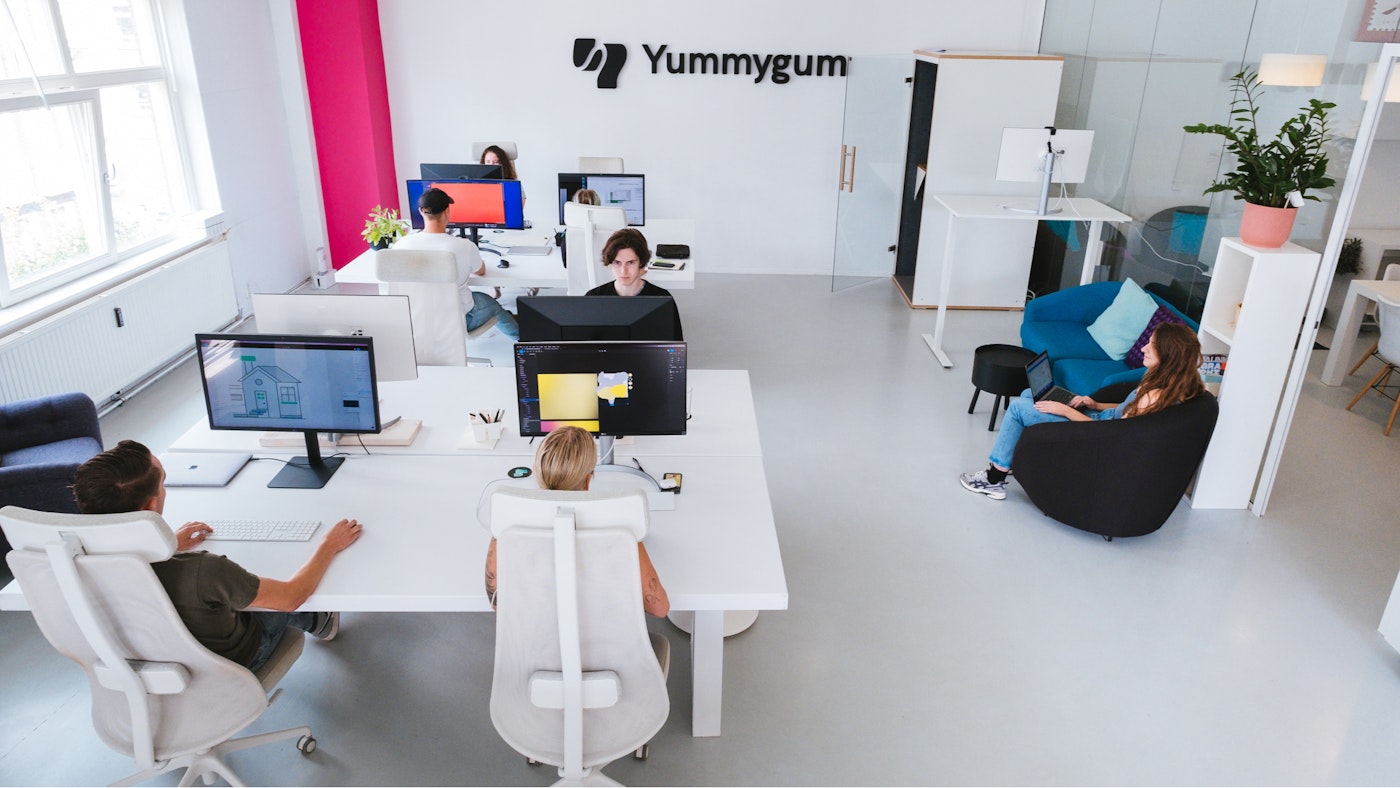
<point x="92" y="167"/>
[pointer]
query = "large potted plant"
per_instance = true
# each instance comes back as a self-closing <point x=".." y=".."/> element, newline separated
<point x="383" y="227"/>
<point x="1273" y="177"/>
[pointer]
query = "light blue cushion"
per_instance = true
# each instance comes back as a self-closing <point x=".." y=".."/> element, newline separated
<point x="1122" y="323"/>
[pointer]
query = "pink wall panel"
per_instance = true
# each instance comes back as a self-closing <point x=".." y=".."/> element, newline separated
<point x="344" y="63"/>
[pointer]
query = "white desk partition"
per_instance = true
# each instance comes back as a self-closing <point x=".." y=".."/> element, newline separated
<point x="548" y="270"/>
<point x="722" y="423"/>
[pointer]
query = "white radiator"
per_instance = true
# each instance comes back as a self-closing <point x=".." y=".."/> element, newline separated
<point x="84" y="348"/>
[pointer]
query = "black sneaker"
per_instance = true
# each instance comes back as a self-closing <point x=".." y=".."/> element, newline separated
<point x="328" y="628"/>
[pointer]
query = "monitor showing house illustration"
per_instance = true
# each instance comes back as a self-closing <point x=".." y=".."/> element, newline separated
<point x="289" y="382"/>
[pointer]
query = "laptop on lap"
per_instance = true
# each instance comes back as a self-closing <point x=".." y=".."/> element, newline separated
<point x="1042" y="381"/>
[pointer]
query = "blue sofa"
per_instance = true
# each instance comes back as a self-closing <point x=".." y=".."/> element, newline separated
<point x="42" y="442"/>
<point x="1058" y="323"/>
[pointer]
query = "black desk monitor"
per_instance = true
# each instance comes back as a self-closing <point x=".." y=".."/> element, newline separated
<point x="475" y="204"/>
<point x="291" y="383"/>
<point x="611" y="389"/>
<point x="459" y="172"/>
<point x="597" y="318"/>
<point x="627" y="192"/>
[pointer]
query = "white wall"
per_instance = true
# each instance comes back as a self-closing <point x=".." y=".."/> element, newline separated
<point x="238" y="71"/>
<point x="755" y="165"/>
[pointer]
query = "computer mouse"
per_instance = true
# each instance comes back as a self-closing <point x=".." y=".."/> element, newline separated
<point x="503" y="264"/>
<point x="498" y="231"/>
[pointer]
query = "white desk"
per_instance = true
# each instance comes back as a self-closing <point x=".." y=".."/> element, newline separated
<point x="722" y="423"/>
<point x="960" y="207"/>
<point x="424" y="551"/>
<point x="1349" y="324"/>
<point x="546" y="270"/>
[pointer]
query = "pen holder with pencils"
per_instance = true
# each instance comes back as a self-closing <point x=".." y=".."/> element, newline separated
<point x="487" y="426"/>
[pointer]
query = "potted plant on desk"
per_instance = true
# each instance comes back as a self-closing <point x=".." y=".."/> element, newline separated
<point x="1268" y="174"/>
<point x="383" y="227"/>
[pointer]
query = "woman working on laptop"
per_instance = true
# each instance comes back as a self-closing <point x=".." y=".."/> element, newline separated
<point x="1172" y="358"/>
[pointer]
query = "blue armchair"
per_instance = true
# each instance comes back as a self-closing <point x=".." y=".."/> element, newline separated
<point x="42" y="442"/>
<point x="1058" y="323"/>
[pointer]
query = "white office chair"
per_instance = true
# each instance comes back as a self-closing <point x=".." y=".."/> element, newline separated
<point x="1392" y="273"/>
<point x="1388" y="351"/>
<point x="578" y="680"/>
<point x="587" y="230"/>
<point x="157" y="694"/>
<point x="601" y="164"/>
<point x="429" y="279"/>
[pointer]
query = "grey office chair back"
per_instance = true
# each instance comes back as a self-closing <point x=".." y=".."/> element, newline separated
<point x="611" y="165"/>
<point x="158" y="695"/>
<point x="578" y="682"/>
<point x="429" y="278"/>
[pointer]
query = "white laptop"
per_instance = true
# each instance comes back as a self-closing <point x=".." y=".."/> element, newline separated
<point x="202" y="469"/>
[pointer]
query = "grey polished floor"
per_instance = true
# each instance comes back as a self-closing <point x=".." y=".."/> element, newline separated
<point x="934" y="636"/>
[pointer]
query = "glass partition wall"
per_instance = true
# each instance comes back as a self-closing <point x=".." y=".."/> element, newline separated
<point x="1137" y="71"/>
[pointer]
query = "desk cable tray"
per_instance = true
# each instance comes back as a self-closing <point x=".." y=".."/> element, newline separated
<point x="401" y="434"/>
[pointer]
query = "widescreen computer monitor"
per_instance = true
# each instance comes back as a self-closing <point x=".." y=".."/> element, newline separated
<point x="476" y="204"/>
<point x="1044" y="155"/>
<point x="291" y="383"/>
<point x="384" y="317"/>
<point x="608" y="388"/>
<point x="459" y="172"/>
<point x="627" y="192"/>
<point x="597" y="318"/>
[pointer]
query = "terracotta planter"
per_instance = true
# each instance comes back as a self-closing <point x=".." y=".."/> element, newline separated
<point x="1266" y="227"/>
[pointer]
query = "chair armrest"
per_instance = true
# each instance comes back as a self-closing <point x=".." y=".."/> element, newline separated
<point x="35" y="422"/>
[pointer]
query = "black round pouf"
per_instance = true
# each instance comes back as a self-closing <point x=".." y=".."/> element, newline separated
<point x="1001" y="370"/>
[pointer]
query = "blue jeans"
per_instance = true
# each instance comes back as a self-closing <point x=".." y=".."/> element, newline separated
<point x="273" y="625"/>
<point x="1021" y="415"/>
<point x="484" y="307"/>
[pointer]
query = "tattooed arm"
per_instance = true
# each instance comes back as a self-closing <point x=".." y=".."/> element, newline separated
<point x="654" y="599"/>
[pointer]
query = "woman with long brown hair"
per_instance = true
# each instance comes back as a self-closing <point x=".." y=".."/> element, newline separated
<point x="1173" y="361"/>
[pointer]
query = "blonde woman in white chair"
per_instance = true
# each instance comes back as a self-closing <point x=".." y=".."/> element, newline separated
<point x="565" y="461"/>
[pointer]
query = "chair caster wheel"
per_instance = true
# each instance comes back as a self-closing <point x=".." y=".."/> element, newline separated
<point x="307" y="744"/>
<point x="642" y="752"/>
<point x="1106" y="537"/>
<point x="532" y="761"/>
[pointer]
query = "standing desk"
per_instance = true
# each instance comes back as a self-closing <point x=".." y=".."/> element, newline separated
<point x="544" y="270"/>
<point x="1349" y="324"/>
<point x="423" y="551"/>
<point x="959" y="208"/>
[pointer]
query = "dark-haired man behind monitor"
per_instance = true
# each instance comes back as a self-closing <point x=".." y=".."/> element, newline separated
<point x="436" y="207"/>
<point x="211" y="593"/>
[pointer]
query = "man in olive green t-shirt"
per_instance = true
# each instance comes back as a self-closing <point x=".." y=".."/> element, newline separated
<point x="211" y="593"/>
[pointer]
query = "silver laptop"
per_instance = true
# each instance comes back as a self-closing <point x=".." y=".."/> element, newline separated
<point x="202" y="469"/>
<point x="1042" y="381"/>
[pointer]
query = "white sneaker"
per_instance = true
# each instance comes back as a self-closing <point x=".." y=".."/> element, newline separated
<point x="978" y="483"/>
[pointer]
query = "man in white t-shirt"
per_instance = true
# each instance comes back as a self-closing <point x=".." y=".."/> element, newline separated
<point x="436" y="207"/>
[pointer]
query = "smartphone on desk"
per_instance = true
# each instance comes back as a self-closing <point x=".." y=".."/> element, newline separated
<point x="666" y="265"/>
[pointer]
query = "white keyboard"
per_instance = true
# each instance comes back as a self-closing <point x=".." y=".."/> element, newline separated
<point x="263" y="530"/>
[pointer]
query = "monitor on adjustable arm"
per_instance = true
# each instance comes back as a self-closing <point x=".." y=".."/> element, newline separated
<point x="627" y="192"/>
<point x="597" y="318"/>
<point x="291" y="383"/>
<point x="476" y="204"/>
<point x="1044" y="155"/>
<point x="459" y="172"/>
<point x="611" y="389"/>
<point x="385" y="317"/>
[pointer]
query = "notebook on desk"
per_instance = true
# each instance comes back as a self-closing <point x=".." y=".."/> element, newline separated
<point x="200" y="469"/>
<point x="529" y="250"/>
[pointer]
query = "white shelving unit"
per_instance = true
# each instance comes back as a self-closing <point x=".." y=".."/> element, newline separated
<point x="1254" y="311"/>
